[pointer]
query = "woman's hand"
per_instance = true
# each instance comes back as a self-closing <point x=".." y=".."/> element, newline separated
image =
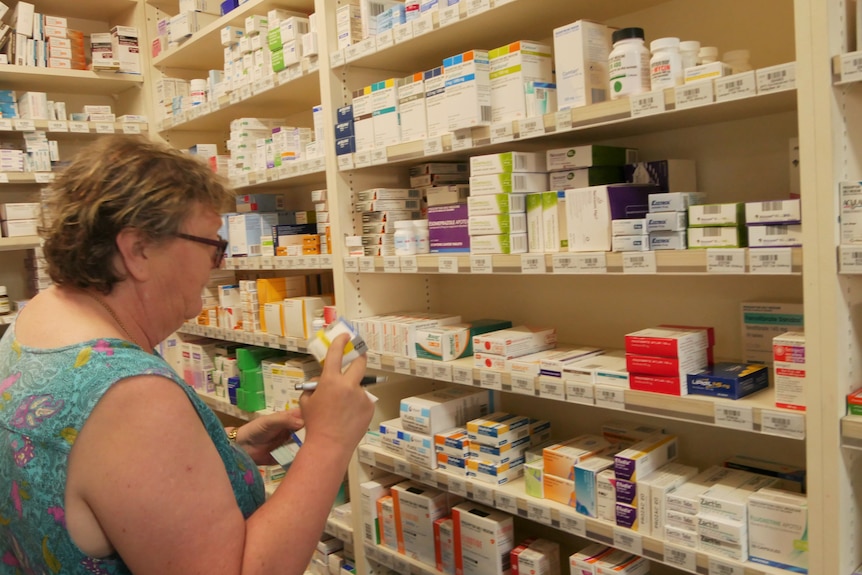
<point x="260" y="436"/>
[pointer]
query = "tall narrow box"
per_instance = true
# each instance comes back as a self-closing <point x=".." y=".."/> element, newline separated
<point x="512" y="66"/>
<point x="468" y="90"/>
<point x="483" y="539"/>
<point x="581" y="57"/>
<point x="416" y="509"/>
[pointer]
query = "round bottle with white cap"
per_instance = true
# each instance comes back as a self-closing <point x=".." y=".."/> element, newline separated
<point x="665" y="64"/>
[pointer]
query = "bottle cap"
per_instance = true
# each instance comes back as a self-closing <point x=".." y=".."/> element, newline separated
<point x="689" y="46"/>
<point x="735" y="55"/>
<point x="627" y="34"/>
<point x="2" y="291"/>
<point x="708" y="54"/>
<point x="420" y="223"/>
<point x="663" y="43"/>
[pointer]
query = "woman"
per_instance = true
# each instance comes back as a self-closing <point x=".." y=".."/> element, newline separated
<point x="113" y="465"/>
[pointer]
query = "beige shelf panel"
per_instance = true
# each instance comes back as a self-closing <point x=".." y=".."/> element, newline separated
<point x="692" y="408"/>
<point x="56" y="81"/>
<point x="98" y="10"/>
<point x="301" y="173"/>
<point x="67" y="130"/>
<point x="203" y="51"/>
<point x="670" y="262"/>
<point x="259" y="339"/>
<point x="511" y="498"/>
<point x="223" y="406"/>
<point x="21" y="243"/>
<point x="297" y="263"/>
<point x="533" y="19"/>
<point x="339" y="529"/>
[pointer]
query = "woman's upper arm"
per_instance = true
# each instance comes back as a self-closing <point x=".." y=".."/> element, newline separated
<point x="146" y="467"/>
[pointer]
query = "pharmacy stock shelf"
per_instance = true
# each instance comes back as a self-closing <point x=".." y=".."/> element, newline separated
<point x="851" y="431"/>
<point x="339" y="529"/>
<point x="204" y="50"/>
<point x="612" y="119"/>
<point x="847" y="68"/>
<point x="298" y="263"/>
<point x="756" y="413"/>
<point x="20" y="243"/>
<point x="26" y="177"/>
<point x="511" y="498"/>
<point x="63" y="129"/>
<point x="742" y="261"/>
<point x="55" y="81"/>
<point x="310" y="172"/>
<point x="221" y="405"/>
<point x="474" y="24"/>
<point x="293" y="88"/>
<point x="295" y="344"/>
<point x="86" y="9"/>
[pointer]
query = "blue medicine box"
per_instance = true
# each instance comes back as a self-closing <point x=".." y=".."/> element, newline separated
<point x="729" y="380"/>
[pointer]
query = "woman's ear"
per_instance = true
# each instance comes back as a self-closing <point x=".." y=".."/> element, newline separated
<point x="133" y="254"/>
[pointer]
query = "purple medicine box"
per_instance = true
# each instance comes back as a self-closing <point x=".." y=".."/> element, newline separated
<point x="447" y="229"/>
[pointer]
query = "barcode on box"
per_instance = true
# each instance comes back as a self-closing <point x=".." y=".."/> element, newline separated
<point x="519" y="243"/>
<point x="716" y="209"/>
<point x="520" y="162"/>
<point x="486" y="113"/>
<point x="856" y="62"/>
<point x="773" y="76"/>
<point x="712" y="232"/>
<point x="770" y="206"/>
<point x="519" y="182"/>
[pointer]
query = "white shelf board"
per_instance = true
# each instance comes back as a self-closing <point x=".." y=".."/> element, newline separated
<point x="56" y="81"/>
<point x="259" y="339"/>
<point x="67" y="130"/>
<point x="204" y="51"/>
<point x="98" y="10"/>
<point x="339" y="529"/>
<point x="296" y="263"/>
<point x="20" y="243"/>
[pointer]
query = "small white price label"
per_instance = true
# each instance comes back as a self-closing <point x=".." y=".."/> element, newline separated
<point x="424" y="368"/>
<point x="533" y="264"/>
<point x="447" y="265"/>
<point x="507" y="503"/>
<point x="392" y="264"/>
<point x="283" y="76"/>
<point x="402" y="366"/>
<point x="409" y="265"/>
<point x="385" y="39"/>
<point x="442" y="372"/>
<point x="375" y="360"/>
<point x="267" y="263"/>
<point x="462" y="140"/>
<point x="423" y="24"/>
<point x="531" y="127"/>
<point x="58" y="126"/>
<point x="267" y="83"/>
<point x="502" y="132"/>
<point x="770" y="260"/>
<point x="490" y="379"/>
<point x="462" y="375"/>
<point x="776" y="78"/>
<point x="524" y="384"/>
<point x="734" y="416"/>
<point x="25" y="125"/>
<point x="403" y="32"/>
<point x="337" y="59"/>
<point x="6" y="125"/>
<point x="735" y="87"/>
<point x="260" y="339"/>
<point x="719" y="567"/>
<point x="639" y="262"/>
<point x="783" y="424"/>
<point x="477" y="6"/>
<point x="44" y="177"/>
<point x="694" y="95"/>
<point x="400" y="565"/>
<point x="316" y="165"/>
<point x="573" y="523"/>
<point x="379" y="157"/>
<point x="428" y="477"/>
<point x="628" y="541"/>
<point x="563" y="120"/>
<point x="591" y="263"/>
<point x="433" y="146"/>
<point x="245" y="92"/>
<point x="583" y="393"/>
<point x="450" y="15"/>
<point x="680" y="557"/>
<point x="563" y="264"/>
<point x="326" y="262"/>
<point x="131" y="128"/>
<point x="345" y="162"/>
<point x="725" y="261"/>
<point x="647" y="104"/>
<point x="610" y="397"/>
<point x="538" y="513"/>
<point x="403" y="468"/>
<point x="366" y="456"/>
<point x="457" y="486"/>
<point x="362" y="159"/>
<point x="481" y="264"/>
<point x="4" y="178"/>
<point x="234" y="97"/>
<point x="483" y="494"/>
<point x="295" y="262"/>
<point x="366" y="264"/>
<point x="283" y="263"/>
<point x="310" y="262"/>
<point x="851" y="67"/>
<point x="104" y="128"/>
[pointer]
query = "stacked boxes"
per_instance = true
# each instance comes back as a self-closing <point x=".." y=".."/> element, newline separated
<point x="717" y="226"/>
<point x="558" y="465"/>
<point x="789" y="370"/>
<point x="581" y="61"/>
<point x="416" y="509"/>
<point x="484" y="538"/>
<point x="667" y="220"/>
<point x="284" y="38"/>
<point x="497" y="204"/>
<point x="385" y="112"/>
<point x="494" y="350"/>
<point x="774" y="224"/>
<point x="280" y="376"/>
<point x="379" y="209"/>
<point x="345" y="136"/>
<point x="632" y="466"/>
<point x="468" y="90"/>
<point x="17" y="220"/>
<point x="512" y="67"/>
<point x="454" y="341"/>
<point x="659" y="359"/>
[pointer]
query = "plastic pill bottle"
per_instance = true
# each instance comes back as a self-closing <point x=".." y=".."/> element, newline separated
<point x="707" y="55"/>
<point x="737" y="60"/>
<point x="5" y="306"/>
<point x="405" y="238"/>
<point x="666" y="64"/>
<point x="688" y="50"/>
<point x="421" y="235"/>
<point x="628" y="63"/>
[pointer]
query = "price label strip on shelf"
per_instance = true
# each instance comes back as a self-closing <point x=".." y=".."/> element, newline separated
<point x="507" y="503"/>
<point x="457" y="486"/>
<point x="450" y="15"/>
<point x="447" y="265"/>
<point x="6" y="125"/>
<point x="104" y="127"/>
<point x="502" y="132"/>
<point x="734" y="417"/>
<point x="628" y="540"/>
<point x="477" y="7"/>
<point x="25" y="125"/>
<point x="442" y="373"/>
<point x="462" y="140"/>
<point x="782" y="424"/>
<point x="725" y="261"/>
<point x="770" y="261"/>
<point x="79" y="127"/>
<point x="483" y="494"/>
<point x="490" y="379"/>
<point x="375" y="360"/>
<point x="533" y="264"/>
<point x="563" y="121"/>
<point x="538" y="513"/>
<point x="58" y="126"/>
<point x="433" y="146"/>
<point x="345" y="162"/>
<point x="366" y="264"/>
<point x="851" y="67"/>
<point x="719" y="567"/>
<point x="366" y="456"/>
<point x="573" y="523"/>
<point x="639" y="263"/>
<point x="591" y="263"/>
<point x="647" y="104"/>
<point x="424" y="368"/>
<point x="735" y="87"/>
<point x="531" y="127"/>
<point x="694" y="95"/>
<point x="680" y="557"/>
<point x="462" y="375"/>
<point x="563" y="264"/>
<point x="392" y="264"/>
<point x="131" y="128"/>
<point x="481" y="264"/>
<point x="402" y="366"/>
<point x="409" y="265"/>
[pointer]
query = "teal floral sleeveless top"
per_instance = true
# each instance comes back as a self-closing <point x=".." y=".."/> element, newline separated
<point x="46" y="396"/>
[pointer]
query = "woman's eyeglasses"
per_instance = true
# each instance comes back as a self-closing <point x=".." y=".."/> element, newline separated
<point x="220" y="245"/>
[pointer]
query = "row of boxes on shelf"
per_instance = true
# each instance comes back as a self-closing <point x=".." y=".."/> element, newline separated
<point x="33" y="39"/>
<point x="261" y="227"/>
<point x="334" y="556"/>
<point x="37" y="106"/>
<point x="671" y="360"/>
<point x="19" y="220"/>
<point x="39" y="154"/>
<point x="627" y="476"/>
